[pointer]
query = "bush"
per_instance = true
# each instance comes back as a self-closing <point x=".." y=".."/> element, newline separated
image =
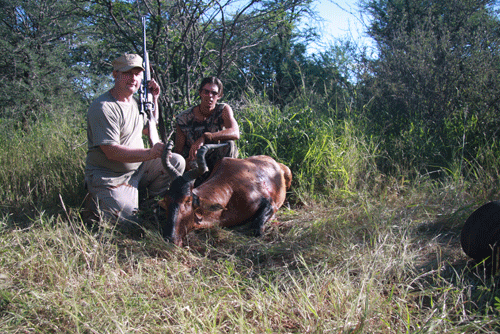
<point x="327" y="157"/>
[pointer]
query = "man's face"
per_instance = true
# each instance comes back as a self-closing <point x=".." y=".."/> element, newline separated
<point x="209" y="95"/>
<point x="129" y="81"/>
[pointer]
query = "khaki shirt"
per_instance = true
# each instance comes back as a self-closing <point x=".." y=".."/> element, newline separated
<point x="110" y="122"/>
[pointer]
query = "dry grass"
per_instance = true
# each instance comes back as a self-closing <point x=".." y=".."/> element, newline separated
<point x="355" y="251"/>
<point x="355" y="266"/>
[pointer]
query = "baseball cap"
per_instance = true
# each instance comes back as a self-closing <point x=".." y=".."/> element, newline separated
<point x="127" y="62"/>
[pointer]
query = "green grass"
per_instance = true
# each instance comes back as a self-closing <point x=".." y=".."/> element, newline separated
<point x="354" y="267"/>
<point x="327" y="157"/>
<point x="38" y="166"/>
<point x="352" y="251"/>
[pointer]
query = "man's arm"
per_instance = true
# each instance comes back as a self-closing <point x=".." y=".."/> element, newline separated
<point x="122" y="153"/>
<point x="231" y="131"/>
<point x="152" y="131"/>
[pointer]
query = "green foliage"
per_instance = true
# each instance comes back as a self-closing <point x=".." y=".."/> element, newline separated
<point x="437" y="61"/>
<point x="35" y="58"/>
<point x="327" y="157"/>
<point x="281" y="69"/>
<point x="38" y="167"/>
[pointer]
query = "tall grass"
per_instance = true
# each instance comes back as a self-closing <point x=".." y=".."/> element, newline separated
<point x="363" y="267"/>
<point x="42" y="163"/>
<point x="328" y="157"/>
<point x="356" y="251"/>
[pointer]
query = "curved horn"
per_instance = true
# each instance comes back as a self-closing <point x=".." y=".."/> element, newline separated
<point x="202" y="163"/>
<point x="166" y="161"/>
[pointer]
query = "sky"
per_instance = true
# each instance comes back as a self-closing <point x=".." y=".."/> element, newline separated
<point x="342" y="19"/>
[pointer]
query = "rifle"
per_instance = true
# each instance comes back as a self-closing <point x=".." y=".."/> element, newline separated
<point x="146" y="98"/>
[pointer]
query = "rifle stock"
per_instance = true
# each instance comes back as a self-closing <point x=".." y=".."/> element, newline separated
<point x="147" y="102"/>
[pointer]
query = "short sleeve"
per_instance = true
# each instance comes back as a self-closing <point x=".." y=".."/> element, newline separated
<point x="104" y="123"/>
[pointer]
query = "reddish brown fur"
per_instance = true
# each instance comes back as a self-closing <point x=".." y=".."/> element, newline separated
<point x="232" y="195"/>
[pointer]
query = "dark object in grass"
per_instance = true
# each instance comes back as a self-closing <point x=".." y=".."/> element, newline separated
<point x="480" y="237"/>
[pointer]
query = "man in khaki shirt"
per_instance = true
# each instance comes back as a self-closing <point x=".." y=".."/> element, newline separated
<point x="118" y="165"/>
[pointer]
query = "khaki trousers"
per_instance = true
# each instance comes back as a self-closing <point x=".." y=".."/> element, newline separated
<point x="121" y="203"/>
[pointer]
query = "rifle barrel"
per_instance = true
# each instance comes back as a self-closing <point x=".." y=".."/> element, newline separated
<point x="147" y="100"/>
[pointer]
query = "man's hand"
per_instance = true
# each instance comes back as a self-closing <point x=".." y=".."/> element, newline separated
<point x="154" y="88"/>
<point x="194" y="149"/>
<point x="157" y="150"/>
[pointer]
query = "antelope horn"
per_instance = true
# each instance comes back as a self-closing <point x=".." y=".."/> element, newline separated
<point x="202" y="163"/>
<point x="166" y="161"/>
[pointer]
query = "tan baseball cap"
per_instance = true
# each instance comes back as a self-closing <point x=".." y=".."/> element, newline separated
<point x="127" y="62"/>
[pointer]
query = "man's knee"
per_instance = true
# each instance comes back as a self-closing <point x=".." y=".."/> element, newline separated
<point x="112" y="203"/>
<point x="178" y="162"/>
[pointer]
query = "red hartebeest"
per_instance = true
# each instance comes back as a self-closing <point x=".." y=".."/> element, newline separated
<point x="239" y="191"/>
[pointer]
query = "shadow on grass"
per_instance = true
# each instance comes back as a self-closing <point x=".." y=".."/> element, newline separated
<point x="447" y="264"/>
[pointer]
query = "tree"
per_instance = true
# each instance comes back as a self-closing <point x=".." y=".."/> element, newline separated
<point x="273" y="68"/>
<point x="35" y="65"/>
<point x="438" y="65"/>
<point x="188" y="40"/>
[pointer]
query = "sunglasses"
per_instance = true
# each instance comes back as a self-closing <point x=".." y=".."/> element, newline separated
<point x="209" y="92"/>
